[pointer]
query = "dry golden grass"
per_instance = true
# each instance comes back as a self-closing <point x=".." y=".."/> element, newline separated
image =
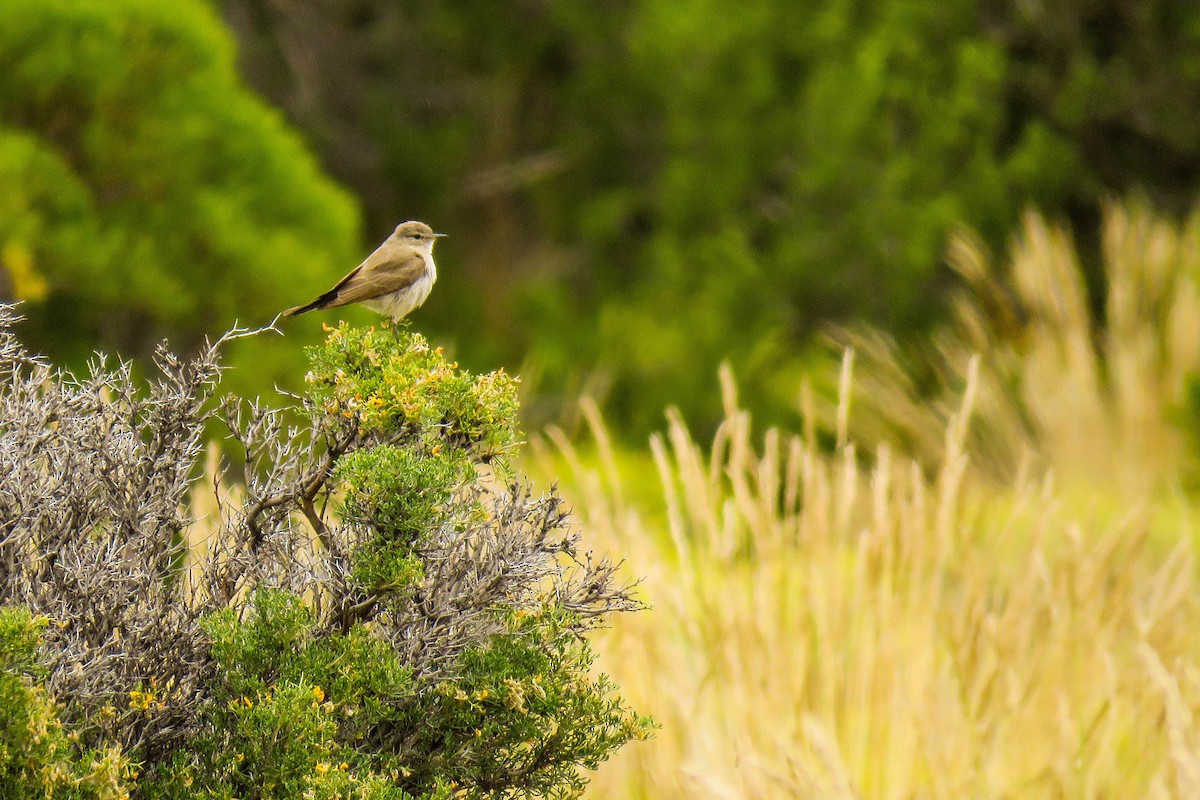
<point x="1013" y="612"/>
<point x="1095" y="400"/>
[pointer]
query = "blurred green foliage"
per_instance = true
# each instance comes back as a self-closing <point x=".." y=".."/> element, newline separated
<point x="145" y="191"/>
<point x="635" y="190"/>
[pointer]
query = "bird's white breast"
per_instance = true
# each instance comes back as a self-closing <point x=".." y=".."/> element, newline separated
<point x="400" y="303"/>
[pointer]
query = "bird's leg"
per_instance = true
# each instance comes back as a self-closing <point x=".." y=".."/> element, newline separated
<point x="396" y="330"/>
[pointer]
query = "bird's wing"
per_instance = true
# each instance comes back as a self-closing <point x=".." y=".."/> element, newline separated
<point x="383" y="272"/>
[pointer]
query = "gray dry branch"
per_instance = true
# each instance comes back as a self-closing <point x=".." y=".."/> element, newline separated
<point x="94" y="477"/>
<point x="507" y="559"/>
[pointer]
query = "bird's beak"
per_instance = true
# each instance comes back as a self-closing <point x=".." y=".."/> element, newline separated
<point x="439" y="235"/>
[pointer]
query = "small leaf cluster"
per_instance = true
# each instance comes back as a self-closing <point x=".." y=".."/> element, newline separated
<point x="428" y="422"/>
<point x="398" y="494"/>
<point x="288" y="707"/>
<point x="392" y="380"/>
<point x="296" y="713"/>
<point x="38" y="757"/>
<point x="524" y="713"/>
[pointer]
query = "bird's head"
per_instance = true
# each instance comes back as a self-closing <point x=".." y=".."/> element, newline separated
<point x="415" y="233"/>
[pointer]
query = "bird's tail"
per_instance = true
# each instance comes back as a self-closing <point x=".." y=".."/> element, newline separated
<point x="321" y="302"/>
<point x="298" y="310"/>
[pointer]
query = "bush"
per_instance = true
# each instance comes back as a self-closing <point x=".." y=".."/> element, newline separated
<point x="384" y="612"/>
<point x="38" y="759"/>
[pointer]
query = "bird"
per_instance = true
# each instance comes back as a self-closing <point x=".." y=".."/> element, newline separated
<point x="393" y="280"/>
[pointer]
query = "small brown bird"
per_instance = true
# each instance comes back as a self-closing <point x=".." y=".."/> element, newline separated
<point x="393" y="280"/>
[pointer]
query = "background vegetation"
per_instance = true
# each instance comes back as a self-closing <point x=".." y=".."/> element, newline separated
<point x="146" y="191"/>
<point x="626" y="182"/>
<point x="1011" y="613"/>
<point x="623" y="182"/>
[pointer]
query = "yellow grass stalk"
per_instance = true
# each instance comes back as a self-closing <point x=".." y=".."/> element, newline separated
<point x="1094" y="397"/>
<point x="985" y="593"/>
<point x="825" y="630"/>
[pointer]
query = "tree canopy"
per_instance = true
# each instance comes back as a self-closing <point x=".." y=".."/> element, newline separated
<point x="147" y="191"/>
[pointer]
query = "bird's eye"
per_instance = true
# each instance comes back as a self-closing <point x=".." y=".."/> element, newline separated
<point x="414" y="236"/>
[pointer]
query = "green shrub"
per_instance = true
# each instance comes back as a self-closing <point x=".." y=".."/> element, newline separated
<point x="38" y="758"/>
<point x="385" y="613"/>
